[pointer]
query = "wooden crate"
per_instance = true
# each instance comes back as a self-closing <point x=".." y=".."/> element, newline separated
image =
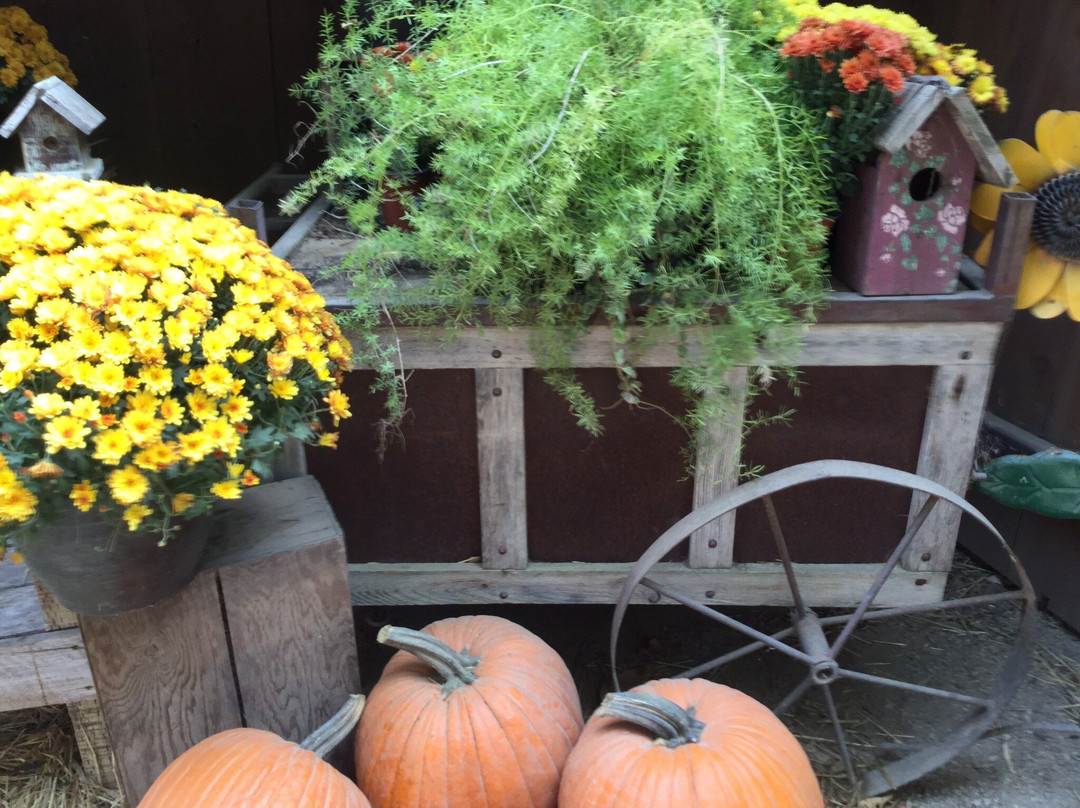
<point x="954" y="336"/>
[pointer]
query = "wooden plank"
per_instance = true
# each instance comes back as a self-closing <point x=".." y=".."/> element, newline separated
<point x="164" y="680"/>
<point x="1010" y="244"/>
<point x="953" y="415"/>
<point x="762" y="584"/>
<point x="293" y="641"/>
<point x="822" y="345"/>
<point x="43" y="669"/>
<point x="292" y="462"/>
<point x="500" y="438"/>
<point x="12" y="574"/>
<point x="92" y="738"/>
<point x="269" y="519"/>
<point x="20" y="612"/>
<point x="718" y="472"/>
<point x="56" y="614"/>
<point x="992" y="165"/>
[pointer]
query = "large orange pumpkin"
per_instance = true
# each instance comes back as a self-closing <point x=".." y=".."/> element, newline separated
<point x="690" y="743"/>
<point x="253" y="768"/>
<point x="472" y="711"/>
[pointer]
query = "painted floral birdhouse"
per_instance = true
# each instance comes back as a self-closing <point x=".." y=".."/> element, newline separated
<point x="903" y="231"/>
<point x="53" y="123"/>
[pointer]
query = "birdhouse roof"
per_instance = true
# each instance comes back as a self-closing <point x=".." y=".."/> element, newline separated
<point x="59" y="97"/>
<point x="921" y="98"/>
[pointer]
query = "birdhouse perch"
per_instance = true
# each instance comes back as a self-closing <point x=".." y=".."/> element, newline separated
<point x="53" y="123"/>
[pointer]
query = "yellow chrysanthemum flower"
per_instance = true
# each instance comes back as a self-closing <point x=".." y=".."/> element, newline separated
<point x="226" y="489"/>
<point x="65" y="432"/>
<point x="128" y="485"/>
<point x="84" y="495"/>
<point x="1050" y="282"/>
<point x="134" y="516"/>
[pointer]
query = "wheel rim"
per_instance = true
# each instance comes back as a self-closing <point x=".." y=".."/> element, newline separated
<point x="822" y="663"/>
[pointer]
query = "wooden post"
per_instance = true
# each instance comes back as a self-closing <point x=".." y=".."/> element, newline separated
<point x="953" y="414"/>
<point x="500" y="435"/>
<point x="263" y="637"/>
<point x="717" y="472"/>
<point x="1010" y="243"/>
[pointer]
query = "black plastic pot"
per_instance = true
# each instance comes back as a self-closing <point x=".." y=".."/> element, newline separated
<point x="99" y="570"/>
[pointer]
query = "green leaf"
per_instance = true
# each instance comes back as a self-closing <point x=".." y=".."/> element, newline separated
<point x="911" y="263"/>
<point x="1046" y="482"/>
<point x="905" y="242"/>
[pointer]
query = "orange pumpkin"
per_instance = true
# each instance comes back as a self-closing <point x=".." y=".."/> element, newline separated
<point x="687" y="742"/>
<point x="472" y="711"/>
<point x="254" y="768"/>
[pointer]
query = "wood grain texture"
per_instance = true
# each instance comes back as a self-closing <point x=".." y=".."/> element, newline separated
<point x="821" y="345"/>
<point x="500" y="440"/>
<point x="164" y="680"/>
<point x="269" y="519"/>
<point x="293" y="642"/>
<point x="953" y="415"/>
<point x="718" y="472"/>
<point x="41" y="669"/>
<point x="92" y="738"/>
<point x="740" y="585"/>
<point x="1010" y="244"/>
<point x="55" y="613"/>
<point x="20" y="612"/>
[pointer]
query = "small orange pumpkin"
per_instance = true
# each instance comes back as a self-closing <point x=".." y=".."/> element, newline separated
<point x="254" y="768"/>
<point x="472" y="711"/>
<point x="687" y="742"/>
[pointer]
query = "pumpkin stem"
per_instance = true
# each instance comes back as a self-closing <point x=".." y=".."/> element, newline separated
<point x="454" y="668"/>
<point x="323" y="740"/>
<point x="662" y="717"/>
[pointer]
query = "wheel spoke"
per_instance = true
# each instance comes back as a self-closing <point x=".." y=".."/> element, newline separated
<point x="731" y="656"/>
<point x="925" y="608"/>
<point x="730" y="622"/>
<point x="841" y="740"/>
<point x="913" y="688"/>
<point x="792" y="697"/>
<point x="883" y="575"/>
<point x="785" y="556"/>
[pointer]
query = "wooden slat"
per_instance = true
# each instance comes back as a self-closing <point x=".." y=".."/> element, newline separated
<point x="953" y="414"/>
<point x="718" y="472"/>
<point x="1010" y="245"/>
<point x="92" y="738"/>
<point x="56" y="614"/>
<point x="378" y="584"/>
<point x="290" y="625"/>
<point x="20" y="612"/>
<point x="500" y="436"/>
<point x="43" y="669"/>
<point x="164" y="680"/>
<point x="823" y="345"/>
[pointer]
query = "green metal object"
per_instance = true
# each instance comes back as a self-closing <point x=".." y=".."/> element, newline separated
<point x="1046" y="482"/>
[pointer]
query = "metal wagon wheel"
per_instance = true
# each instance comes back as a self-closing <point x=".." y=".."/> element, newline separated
<point x="820" y="644"/>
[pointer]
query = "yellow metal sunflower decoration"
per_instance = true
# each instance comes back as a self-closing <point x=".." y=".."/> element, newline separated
<point x="1050" y="282"/>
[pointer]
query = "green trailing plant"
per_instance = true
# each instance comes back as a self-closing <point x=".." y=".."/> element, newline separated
<point x="638" y="162"/>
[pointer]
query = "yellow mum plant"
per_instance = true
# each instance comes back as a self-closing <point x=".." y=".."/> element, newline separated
<point x="154" y="355"/>
<point x="960" y="66"/>
<point x="26" y="55"/>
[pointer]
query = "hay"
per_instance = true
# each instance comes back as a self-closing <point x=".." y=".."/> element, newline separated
<point x="39" y="764"/>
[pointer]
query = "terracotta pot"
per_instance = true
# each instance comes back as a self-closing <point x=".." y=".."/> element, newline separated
<point x="99" y="570"/>
<point x="391" y="210"/>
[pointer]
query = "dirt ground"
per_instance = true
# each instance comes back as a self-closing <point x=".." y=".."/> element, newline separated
<point x="1030" y="759"/>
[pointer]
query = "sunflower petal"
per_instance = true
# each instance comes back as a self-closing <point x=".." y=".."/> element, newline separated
<point x="1055" y="303"/>
<point x="986" y="198"/>
<point x="1031" y="167"/>
<point x="1043" y="127"/>
<point x="1041" y="274"/>
<point x="979" y="223"/>
<point x="982" y="254"/>
<point x="1071" y="276"/>
<point x="1065" y="141"/>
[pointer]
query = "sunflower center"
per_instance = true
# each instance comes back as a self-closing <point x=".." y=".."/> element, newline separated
<point x="1056" y="224"/>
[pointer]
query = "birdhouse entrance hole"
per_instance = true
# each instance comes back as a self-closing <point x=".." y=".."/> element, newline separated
<point x="50" y="144"/>
<point x="925" y="184"/>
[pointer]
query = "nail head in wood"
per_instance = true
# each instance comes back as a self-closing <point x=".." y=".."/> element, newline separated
<point x="496" y="354"/>
<point x="497" y="391"/>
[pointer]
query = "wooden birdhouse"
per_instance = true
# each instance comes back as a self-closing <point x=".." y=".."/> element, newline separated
<point x="903" y="230"/>
<point x="53" y="123"/>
